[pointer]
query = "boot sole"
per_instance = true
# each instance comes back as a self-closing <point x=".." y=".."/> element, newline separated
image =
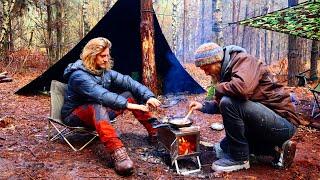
<point x="230" y="168"/>
<point x="128" y="172"/>
<point x="289" y="151"/>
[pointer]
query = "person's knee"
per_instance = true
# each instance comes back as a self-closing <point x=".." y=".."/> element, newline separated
<point x="225" y="102"/>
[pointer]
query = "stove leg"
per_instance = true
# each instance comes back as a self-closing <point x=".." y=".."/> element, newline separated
<point x="188" y="172"/>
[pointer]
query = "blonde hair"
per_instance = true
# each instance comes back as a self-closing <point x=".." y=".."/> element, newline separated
<point x="91" y="50"/>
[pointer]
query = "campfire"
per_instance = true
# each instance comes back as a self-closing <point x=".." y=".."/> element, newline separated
<point x="187" y="145"/>
<point x="181" y="143"/>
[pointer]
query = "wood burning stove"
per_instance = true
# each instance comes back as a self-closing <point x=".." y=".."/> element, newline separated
<point x="181" y="143"/>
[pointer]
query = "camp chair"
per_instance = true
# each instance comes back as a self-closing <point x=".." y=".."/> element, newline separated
<point x="316" y="106"/>
<point x="57" y="91"/>
<point x="302" y="81"/>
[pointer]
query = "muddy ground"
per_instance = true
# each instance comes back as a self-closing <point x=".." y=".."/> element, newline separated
<point x="25" y="152"/>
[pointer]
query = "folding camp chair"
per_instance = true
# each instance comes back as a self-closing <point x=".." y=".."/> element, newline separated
<point x="303" y="81"/>
<point x="57" y="91"/>
<point x="316" y="106"/>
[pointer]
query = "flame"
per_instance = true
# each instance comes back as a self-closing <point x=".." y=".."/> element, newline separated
<point x="185" y="146"/>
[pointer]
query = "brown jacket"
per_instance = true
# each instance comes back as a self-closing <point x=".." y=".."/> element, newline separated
<point x="247" y="78"/>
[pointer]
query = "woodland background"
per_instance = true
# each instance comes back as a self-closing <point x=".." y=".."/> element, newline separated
<point x="37" y="33"/>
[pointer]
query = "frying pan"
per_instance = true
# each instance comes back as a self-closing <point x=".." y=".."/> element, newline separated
<point x="176" y="122"/>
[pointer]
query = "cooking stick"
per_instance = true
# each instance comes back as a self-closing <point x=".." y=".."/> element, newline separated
<point x="189" y="113"/>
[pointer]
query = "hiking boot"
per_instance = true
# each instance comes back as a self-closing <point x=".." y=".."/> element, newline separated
<point x="285" y="155"/>
<point x="122" y="162"/>
<point x="219" y="152"/>
<point x="153" y="139"/>
<point x="227" y="164"/>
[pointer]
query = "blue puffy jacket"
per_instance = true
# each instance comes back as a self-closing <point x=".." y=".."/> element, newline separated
<point x="85" y="87"/>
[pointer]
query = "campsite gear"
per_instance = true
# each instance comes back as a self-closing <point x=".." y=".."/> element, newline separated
<point x="217" y="126"/>
<point x="285" y="155"/>
<point x="241" y="118"/>
<point x="208" y="53"/>
<point x="175" y="122"/>
<point x="57" y="91"/>
<point x="227" y="164"/>
<point x="302" y="81"/>
<point x="123" y="165"/>
<point x="181" y="143"/>
<point x="127" y="56"/>
<point x="179" y="122"/>
<point x="316" y="106"/>
<point x="189" y="113"/>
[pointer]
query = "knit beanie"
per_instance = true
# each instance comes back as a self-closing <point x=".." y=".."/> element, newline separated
<point x="208" y="53"/>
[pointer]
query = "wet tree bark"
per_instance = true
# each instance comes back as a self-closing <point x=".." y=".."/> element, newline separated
<point x="217" y="22"/>
<point x="294" y="55"/>
<point x="149" y="73"/>
<point x="315" y="53"/>
<point x="59" y="27"/>
<point x="50" y="50"/>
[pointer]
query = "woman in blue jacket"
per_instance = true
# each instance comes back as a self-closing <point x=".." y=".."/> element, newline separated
<point x="91" y="101"/>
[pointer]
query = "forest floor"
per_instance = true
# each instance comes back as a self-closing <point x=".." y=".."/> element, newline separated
<point x="25" y="152"/>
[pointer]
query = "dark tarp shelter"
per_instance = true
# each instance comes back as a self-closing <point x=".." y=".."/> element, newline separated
<point x="301" y="20"/>
<point x="121" y="25"/>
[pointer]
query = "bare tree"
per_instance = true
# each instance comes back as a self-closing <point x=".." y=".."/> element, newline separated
<point x="149" y="73"/>
<point x="294" y="55"/>
<point x="86" y="25"/>
<point x="50" y="47"/>
<point x="315" y="53"/>
<point x="6" y="31"/>
<point x="60" y="18"/>
<point x="174" y="25"/>
<point x="217" y="22"/>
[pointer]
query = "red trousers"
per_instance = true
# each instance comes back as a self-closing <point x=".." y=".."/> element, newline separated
<point x="98" y="116"/>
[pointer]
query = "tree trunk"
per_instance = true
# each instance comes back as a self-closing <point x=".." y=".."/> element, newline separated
<point x="149" y="73"/>
<point x="266" y="9"/>
<point x="5" y="30"/>
<point x="202" y="21"/>
<point x="81" y="23"/>
<point x="184" y="30"/>
<point x="294" y="55"/>
<point x="315" y="53"/>
<point x="59" y="26"/>
<point x="245" y="29"/>
<point x="238" y="18"/>
<point x="50" y="49"/>
<point x="174" y="25"/>
<point x="233" y="20"/>
<point x="217" y="22"/>
<point x="86" y="25"/>
<point x="258" y="42"/>
<point x="106" y="5"/>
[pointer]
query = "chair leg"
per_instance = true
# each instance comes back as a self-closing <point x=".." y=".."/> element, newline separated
<point x="85" y="145"/>
<point x="63" y="136"/>
<point x="49" y="130"/>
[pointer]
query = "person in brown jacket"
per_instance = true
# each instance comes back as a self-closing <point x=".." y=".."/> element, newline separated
<point x="258" y="114"/>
